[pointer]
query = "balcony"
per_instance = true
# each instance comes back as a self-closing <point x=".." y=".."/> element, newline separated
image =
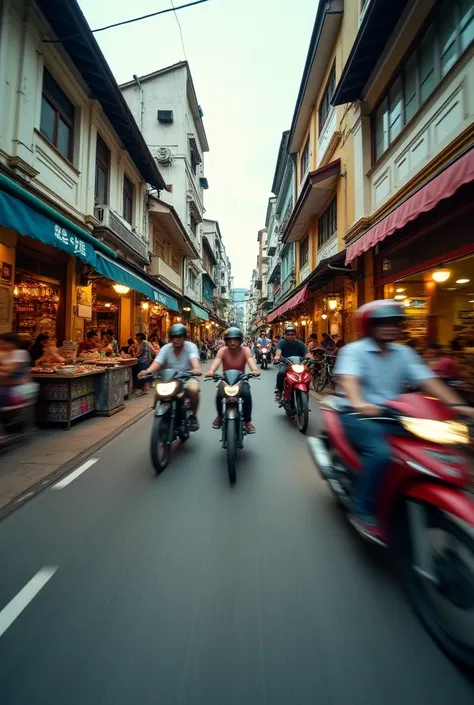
<point x="114" y="228"/>
<point x="288" y="283"/>
<point x="193" y="293"/>
<point x="160" y="268"/>
<point x="329" y="249"/>
<point x="328" y="138"/>
<point x="304" y="271"/>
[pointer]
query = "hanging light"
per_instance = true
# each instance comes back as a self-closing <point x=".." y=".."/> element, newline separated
<point x="400" y="290"/>
<point x="324" y="316"/>
<point x="400" y="297"/>
<point x="462" y="281"/>
<point x="107" y="305"/>
<point x="121" y="289"/>
<point x="145" y="305"/>
<point x="186" y="308"/>
<point x="16" y="291"/>
<point x="441" y="275"/>
<point x="332" y="304"/>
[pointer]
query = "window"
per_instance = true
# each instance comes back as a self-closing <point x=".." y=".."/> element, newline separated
<point x="175" y="262"/>
<point x="127" y="199"/>
<point x="192" y="279"/>
<point x="327" y="223"/>
<point x="102" y="172"/>
<point x="304" y="252"/>
<point x="305" y="160"/>
<point x="57" y="116"/>
<point x="449" y="34"/>
<point x="193" y="223"/>
<point x="325" y="104"/>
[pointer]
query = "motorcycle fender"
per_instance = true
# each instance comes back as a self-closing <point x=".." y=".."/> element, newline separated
<point x="448" y="499"/>
<point x="301" y="387"/>
<point x="232" y="413"/>
<point x="162" y="409"/>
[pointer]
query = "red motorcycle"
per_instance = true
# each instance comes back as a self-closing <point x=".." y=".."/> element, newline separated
<point x="425" y="512"/>
<point x="295" y="397"/>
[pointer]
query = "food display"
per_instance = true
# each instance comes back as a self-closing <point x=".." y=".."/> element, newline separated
<point x="62" y="369"/>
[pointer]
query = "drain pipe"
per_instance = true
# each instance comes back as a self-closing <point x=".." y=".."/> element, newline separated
<point x="137" y="81"/>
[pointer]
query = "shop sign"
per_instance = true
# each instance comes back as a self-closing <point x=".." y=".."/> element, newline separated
<point x="74" y="244"/>
<point x="160" y="298"/>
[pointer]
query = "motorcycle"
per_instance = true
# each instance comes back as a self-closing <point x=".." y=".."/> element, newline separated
<point x="295" y="397"/>
<point x="424" y="510"/>
<point x="264" y="356"/>
<point x="17" y="420"/>
<point x="233" y="430"/>
<point x="171" y="415"/>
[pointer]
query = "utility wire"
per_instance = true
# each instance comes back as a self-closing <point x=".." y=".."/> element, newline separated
<point x="134" y="19"/>
<point x="152" y="14"/>
<point x="180" y="29"/>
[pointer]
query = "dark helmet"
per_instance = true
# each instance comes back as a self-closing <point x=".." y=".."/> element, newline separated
<point x="290" y="329"/>
<point x="233" y="332"/>
<point x="377" y="311"/>
<point x="178" y="330"/>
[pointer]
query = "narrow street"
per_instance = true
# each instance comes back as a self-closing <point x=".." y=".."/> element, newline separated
<point x="180" y="589"/>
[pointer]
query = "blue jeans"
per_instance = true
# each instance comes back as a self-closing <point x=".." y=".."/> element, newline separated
<point x="369" y="439"/>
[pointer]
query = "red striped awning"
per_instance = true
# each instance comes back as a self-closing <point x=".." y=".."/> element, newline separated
<point x="292" y="302"/>
<point x="439" y="188"/>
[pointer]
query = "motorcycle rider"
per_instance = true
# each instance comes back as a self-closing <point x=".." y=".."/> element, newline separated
<point x="262" y="342"/>
<point x="372" y="371"/>
<point x="234" y="357"/>
<point x="289" y="347"/>
<point x="183" y="356"/>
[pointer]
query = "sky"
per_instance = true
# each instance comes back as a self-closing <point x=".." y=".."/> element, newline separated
<point x="246" y="59"/>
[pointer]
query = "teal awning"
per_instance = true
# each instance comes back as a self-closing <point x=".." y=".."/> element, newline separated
<point x="122" y="275"/>
<point x="28" y="215"/>
<point x="198" y="312"/>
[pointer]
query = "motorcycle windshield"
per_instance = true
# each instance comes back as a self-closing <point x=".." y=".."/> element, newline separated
<point x="232" y="376"/>
<point x="296" y="360"/>
<point x="168" y="375"/>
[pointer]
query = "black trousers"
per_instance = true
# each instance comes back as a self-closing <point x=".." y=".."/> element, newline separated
<point x="246" y="399"/>
<point x="280" y="381"/>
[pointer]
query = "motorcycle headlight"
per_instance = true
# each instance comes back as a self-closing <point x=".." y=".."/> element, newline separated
<point x="166" y="389"/>
<point x="264" y="350"/>
<point x="231" y="390"/>
<point x="298" y="369"/>
<point x="446" y="432"/>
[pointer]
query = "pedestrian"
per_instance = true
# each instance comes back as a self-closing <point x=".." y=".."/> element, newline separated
<point x="145" y="356"/>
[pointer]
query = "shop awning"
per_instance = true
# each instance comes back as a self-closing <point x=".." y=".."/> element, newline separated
<point x="122" y="275"/>
<point x="28" y="215"/>
<point x="317" y="189"/>
<point x="198" y="312"/>
<point x="327" y="270"/>
<point x="292" y="302"/>
<point x="425" y="199"/>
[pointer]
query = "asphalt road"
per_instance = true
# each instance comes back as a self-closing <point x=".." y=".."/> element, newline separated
<point x="123" y="587"/>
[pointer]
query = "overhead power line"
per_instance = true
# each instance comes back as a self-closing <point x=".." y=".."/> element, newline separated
<point x="152" y="14"/>
<point x="124" y="22"/>
<point x="180" y="29"/>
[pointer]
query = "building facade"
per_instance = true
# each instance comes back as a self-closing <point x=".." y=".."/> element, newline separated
<point x="170" y="118"/>
<point x="413" y="115"/>
<point x="74" y="175"/>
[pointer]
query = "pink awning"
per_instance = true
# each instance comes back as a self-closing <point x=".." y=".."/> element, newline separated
<point x="441" y="187"/>
<point x="294" y="301"/>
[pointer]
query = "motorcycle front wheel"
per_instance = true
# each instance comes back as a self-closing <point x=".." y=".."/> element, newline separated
<point x="232" y="444"/>
<point x="302" y="411"/>
<point x="160" y="446"/>
<point x="320" y="380"/>
<point x="446" y="606"/>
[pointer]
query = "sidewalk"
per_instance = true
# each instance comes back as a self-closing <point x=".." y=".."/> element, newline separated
<point x="52" y="452"/>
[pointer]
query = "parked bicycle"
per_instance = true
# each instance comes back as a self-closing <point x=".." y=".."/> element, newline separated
<point x="322" y="372"/>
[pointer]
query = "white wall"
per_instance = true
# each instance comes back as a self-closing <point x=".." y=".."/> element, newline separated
<point x="23" y="55"/>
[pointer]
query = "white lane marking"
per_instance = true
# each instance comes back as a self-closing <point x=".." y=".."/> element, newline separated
<point x="16" y="606"/>
<point x="23" y="497"/>
<point x="74" y="474"/>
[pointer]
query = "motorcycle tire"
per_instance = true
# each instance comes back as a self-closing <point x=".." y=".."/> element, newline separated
<point x="420" y="596"/>
<point x="264" y="365"/>
<point x="320" y="381"/>
<point x="160" y="446"/>
<point x="302" y="411"/>
<point x="232" y="444"/>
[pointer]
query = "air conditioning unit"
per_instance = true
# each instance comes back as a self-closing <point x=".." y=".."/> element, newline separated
<point x="165" y="116"/>
<point x="163" y="155"/>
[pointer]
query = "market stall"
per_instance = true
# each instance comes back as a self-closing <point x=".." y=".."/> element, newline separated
<point x="67" y="395"/>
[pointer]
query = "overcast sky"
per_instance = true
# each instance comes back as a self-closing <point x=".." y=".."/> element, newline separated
<point x="247" y="59"/>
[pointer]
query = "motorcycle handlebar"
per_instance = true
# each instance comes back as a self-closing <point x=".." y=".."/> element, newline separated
<point x="181" y="375"/>
<point x="220" y="378"/>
